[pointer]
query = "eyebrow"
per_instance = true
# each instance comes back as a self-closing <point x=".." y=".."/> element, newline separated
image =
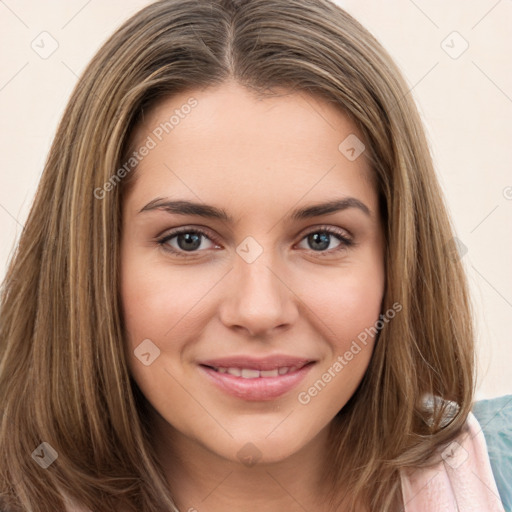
<point x="182" y="207"/>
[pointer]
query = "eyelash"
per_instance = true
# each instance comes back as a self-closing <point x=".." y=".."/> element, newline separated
<point x="345" y="244"/>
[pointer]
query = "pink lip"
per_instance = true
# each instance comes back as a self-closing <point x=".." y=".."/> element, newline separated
<point x="261" y="388"/>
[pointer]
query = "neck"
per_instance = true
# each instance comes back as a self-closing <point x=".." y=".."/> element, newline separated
<point x="203" y="481"/>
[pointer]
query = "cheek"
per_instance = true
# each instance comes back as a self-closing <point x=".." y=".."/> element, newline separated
<point x="163" y="307"/>
<point x="158" y="301"/>
<point x="347" y="303"/>
<point x="347" y="316"/>
<point x="358" y="309"/>
<point x="349" y="326"/>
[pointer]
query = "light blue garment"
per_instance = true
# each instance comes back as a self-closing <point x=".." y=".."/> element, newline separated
<point x="495" y="418"/>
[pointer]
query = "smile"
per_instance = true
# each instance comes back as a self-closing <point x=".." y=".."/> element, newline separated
<point x="256" y="379"/>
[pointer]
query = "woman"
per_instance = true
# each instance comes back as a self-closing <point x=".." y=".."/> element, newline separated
<point x="236" y="287"/>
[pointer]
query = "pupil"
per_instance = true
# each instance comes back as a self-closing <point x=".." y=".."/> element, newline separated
<point x="191" y="241"/>
<point x="319" y="238"/>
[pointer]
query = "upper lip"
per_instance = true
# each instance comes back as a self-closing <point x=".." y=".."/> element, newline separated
<point x="257" y="363"/>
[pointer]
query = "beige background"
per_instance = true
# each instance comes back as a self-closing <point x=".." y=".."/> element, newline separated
<point x="465" y="99"/>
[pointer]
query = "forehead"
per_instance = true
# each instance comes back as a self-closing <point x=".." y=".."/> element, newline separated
<point x="231" y="107"/>
<point x="290" y="141"/>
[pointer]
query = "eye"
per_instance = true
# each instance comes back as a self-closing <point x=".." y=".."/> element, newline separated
<point x="321" y="240"/>
<point x="185" y="240"/>
<point x="188" y="242"/>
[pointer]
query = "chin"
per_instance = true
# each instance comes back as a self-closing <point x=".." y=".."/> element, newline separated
<point x="257" y="446"/>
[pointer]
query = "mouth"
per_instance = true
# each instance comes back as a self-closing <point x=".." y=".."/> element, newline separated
<point x="256" y="379"/>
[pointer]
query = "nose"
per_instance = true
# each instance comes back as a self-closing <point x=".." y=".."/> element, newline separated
<point x="258" y="299"/>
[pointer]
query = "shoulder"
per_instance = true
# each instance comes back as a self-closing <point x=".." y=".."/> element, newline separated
<point x="461" y="480"/>
<point x="495" y="419"/>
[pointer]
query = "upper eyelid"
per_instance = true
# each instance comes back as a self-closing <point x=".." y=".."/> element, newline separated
<point x="178" y="231"/>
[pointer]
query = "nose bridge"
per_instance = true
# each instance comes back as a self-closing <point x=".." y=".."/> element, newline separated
<point x="257" y="278"/>
<point x="257" y="298"/>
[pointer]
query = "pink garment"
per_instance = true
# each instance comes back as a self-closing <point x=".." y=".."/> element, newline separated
<point x="462" y="481"/>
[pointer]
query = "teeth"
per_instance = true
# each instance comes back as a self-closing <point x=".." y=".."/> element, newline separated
<point x="269" y="373"/>
<point x="249" y="373"/>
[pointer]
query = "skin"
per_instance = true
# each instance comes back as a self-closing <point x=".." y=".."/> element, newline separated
<point x="258" y="160"/>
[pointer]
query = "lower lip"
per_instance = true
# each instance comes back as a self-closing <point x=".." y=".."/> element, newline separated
<point x="259" y="389"/>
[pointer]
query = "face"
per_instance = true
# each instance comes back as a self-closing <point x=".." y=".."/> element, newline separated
<point x="252" y="259"/>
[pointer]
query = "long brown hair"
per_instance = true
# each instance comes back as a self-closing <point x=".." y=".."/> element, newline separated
<point x="63" y="374"/>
